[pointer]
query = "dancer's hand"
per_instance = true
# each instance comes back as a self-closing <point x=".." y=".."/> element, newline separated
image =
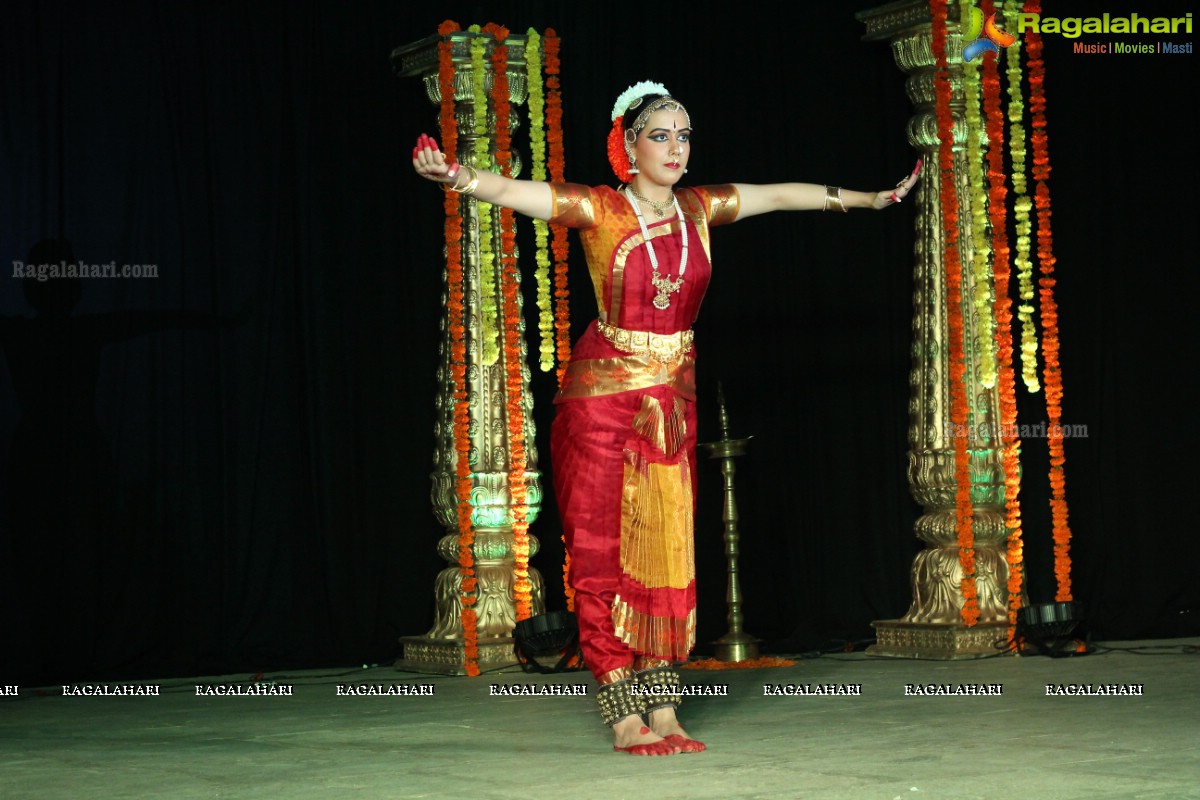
<point x="889" y="197"/>
<point x="430" y="162"/>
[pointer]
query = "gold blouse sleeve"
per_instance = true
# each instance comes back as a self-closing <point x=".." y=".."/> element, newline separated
<point x="573" y="206"/>
<point x="722" y="204"/>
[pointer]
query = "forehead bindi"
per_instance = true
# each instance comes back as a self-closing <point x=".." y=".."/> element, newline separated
<point x="665" y="120"/>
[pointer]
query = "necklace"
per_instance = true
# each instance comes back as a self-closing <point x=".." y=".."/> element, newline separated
<point x="665" y="286"/>
<point x="660" y="208"/>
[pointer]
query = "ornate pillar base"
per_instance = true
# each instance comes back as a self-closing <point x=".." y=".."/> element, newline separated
<point x="897" y="639"/>
<point x="449" y="656"/>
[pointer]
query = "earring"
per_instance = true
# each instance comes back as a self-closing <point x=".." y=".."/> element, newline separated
<point x="633" y="170"/>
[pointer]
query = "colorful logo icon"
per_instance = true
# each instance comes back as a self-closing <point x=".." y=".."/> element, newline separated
<point x="983" y="36"/>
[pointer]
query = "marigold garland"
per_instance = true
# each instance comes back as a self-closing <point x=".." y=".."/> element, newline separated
<point x="748" y="663"/>
<point x="501" y="103"/>
<point x="1052" y="371"/>
<point x="455" y="313"/>
<point x="449" y="130"/>
<point x="559" y="242"/>
<point x="515" y="408"/>
<point x="541" y="231"/>
<point x="980" y="249"/>
<point x="510" y="287"/>
<point x="489" y="321"/>
<point x="1021" y="206"/>
<point x="1010" y="444"/>
<point x="617" y="157"/>
<point x="953" y="266"/>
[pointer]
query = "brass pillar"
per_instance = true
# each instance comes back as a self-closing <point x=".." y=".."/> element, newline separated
<point x="933" y="626"/>
<point x="442" y="648"/>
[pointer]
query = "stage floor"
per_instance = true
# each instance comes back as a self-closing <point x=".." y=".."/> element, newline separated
<point x="1123" y="722"/>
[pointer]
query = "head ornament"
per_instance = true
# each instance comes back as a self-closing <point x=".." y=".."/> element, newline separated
<point x="622" y="137"/>
<point x="635" y="92"/>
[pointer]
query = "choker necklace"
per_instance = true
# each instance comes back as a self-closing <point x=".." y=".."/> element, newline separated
<point x="665" y="286"/>
<point x="660" y="208"/>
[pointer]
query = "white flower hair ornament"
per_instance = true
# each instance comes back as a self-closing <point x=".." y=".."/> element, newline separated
<point x="640" y="89"/>
<point x="620" y="149"/>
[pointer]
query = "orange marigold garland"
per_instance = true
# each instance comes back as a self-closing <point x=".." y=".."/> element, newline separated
<point x="1048" y="310"/>
<point x="449" y="129"/>
<point x="515" y="407"/>
<point x="617" y="157"/>
<point x="513" y="357"/>
<point x="1010" y="445"/>
<point x="501" y="105"/>
<point x="748" y="663"/>
<point x="559" y="242"/>
<point x="953" y="266"/>
<point x="455" y="313"/>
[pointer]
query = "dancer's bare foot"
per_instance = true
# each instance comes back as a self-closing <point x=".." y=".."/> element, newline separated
<point x="631" y="735"/>
<point x="664" y="723"/>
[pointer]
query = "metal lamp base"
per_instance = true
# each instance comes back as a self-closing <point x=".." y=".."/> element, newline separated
<point x="736" y="647"/>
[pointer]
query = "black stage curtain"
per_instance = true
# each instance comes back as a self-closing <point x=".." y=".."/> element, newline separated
<point x="226" y="467"/>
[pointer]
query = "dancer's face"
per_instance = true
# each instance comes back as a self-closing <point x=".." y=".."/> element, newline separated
<point x="663" y="147"/>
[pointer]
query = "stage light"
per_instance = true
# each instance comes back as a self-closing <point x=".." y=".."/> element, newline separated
<point x="546" y="636"/>
<point x="1052" y="629"/>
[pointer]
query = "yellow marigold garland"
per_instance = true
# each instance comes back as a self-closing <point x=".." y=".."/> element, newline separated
<point x="455" y="313"/>
<point x="1021" y="206"/>
<point x="1052" y="371"/>
<point x="980" y="250"/>
<point x="541" y="231"/>
<point x="489" y="315"/>
<point x="953" y="266"/>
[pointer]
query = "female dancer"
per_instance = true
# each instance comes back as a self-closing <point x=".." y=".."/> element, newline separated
<point x="623" y="441"/>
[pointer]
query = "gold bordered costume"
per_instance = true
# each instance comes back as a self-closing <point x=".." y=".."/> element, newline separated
<point x="623" y="441"/>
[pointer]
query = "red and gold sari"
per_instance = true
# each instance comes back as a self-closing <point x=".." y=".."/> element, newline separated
<point x="623" y="441"/>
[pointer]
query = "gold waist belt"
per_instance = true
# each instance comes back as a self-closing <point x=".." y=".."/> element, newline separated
<point x="662" y="346"/>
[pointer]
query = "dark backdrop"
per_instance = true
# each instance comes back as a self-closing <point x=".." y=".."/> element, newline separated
<point x="226" y="467"/>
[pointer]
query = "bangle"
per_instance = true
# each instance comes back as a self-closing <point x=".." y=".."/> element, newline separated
<point x="833" y="197"/>
<point x="471" y="185"/>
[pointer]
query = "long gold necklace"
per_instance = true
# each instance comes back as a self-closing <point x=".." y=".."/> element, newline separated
<point x="660" y="208"/>
<point x="665" y="286"/>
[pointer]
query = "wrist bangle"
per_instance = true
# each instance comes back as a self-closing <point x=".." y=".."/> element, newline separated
<point x="833" y="199"/>
<point x="471" y="185"/>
